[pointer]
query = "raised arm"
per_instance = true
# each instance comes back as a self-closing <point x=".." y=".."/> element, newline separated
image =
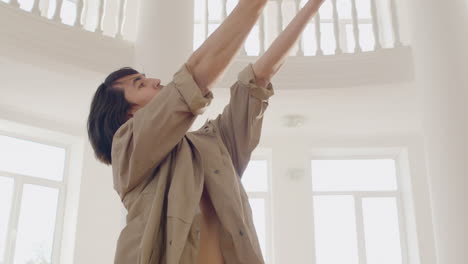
<point x="271" y="61"/>
<point x="212" y="58"/>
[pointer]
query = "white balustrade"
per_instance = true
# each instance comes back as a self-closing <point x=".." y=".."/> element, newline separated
<point x="341" y="39"/>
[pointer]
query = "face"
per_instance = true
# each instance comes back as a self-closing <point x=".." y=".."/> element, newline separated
<point x="139" y="90"/>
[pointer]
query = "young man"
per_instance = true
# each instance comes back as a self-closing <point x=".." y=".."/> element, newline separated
<point x="183" y="190"/>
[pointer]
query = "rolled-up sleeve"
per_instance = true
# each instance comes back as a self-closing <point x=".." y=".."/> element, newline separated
<point x="150" y="135"/>
<point x="241" y="121"/>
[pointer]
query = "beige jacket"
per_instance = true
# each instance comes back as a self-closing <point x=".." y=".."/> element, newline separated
<point x="159" y="169"/>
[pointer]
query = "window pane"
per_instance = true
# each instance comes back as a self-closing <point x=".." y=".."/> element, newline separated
<point x="6" y="195"/>
<point x="335" y="230"/>
<point x="366" y="37"/>
<point x="31" y="158"/>
<point x="36" y="225"/>
<point x="381" y="231"/>
<point x="353" y="175"/>
<point x="255" y="178"/>
<point x="252" y="44"/>
<point x="26" y="4"/>
<point x="198" y="36"/>
<point x="214" y="9"/>
<point x="230" y="5"/>
<point x="350" y="41"/>
<point x="309" y="42"/>
<point x="363" y="8"/>
<point x="328" y="38"/>
<point x="199" y="10"/>
<point x="258" y="214"/>
<point x="212" y="28"/>
<point x="68" y="12"/>
<point x="344" y="9"/>
<point x="326" y="10"/>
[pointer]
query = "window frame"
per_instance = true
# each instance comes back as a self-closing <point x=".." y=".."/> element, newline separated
<point x="265" y="154"/>
<point x="399" y="156"/>
<point x="73" y="145"/>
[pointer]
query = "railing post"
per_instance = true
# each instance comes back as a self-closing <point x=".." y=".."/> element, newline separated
<point x="121" y="18"/>
<point x="15" y="3"/>
<point x="224" y="10"/>
<point x="79" y="13"/>
<point x="300" y="50"/>
<point x="336" y="29"/>
<point x="58" y="10"/>
<point x="100" y="16"/>
<point x="35" y="10"/>
<point x="357" y="46"/>
<point x="318" y="34"/>
<point x="375" y="25"/>
<point x="395" y="24"/>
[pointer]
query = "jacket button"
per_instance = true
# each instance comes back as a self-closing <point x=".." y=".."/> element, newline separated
<point x="241" y="233"/>
<point x="216" y="171"/>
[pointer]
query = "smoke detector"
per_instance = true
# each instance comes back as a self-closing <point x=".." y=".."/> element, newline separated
<point x="293" y="120"/>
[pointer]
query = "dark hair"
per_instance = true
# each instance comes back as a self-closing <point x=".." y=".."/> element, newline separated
<point x="108" y="111"/>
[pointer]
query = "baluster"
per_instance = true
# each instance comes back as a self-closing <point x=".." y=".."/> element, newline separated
<point x="336" y="29"/>
<point x="206" y="19"/>
<point x="261" y="33"/>
<point x="318" y="35"/>
<point x="300" y="50"/>
<point x="79" y="13"/>
<point x="14" y="3"/>
<point x="357" y="46"/>
<point x="375" y="25"/>
<point x="280" y="16"/>
<point x="395" y="25"/>
<point x="100" y="16"/>
<point x="224" y="9"/>
<point x="35" y="10"/>
<point x="58" y="11"/>
<point x="121" y="18"/>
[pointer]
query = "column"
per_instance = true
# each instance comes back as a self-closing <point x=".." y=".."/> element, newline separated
<point x="439" y="41"/>
<point x="164" y="37"/>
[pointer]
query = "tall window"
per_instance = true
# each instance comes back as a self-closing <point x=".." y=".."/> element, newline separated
<point x="257" y="182"/>
<point x="31" y="193"/>
<point x="357" y="214"/>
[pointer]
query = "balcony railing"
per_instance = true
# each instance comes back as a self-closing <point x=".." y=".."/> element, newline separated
<point x="341" y="26"/>
<point x="363" y="34"/>
<point x="99" y="16"/>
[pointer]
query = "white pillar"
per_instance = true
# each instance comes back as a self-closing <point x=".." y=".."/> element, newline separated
<point x="439" y="30"/>
<point x="164" y="37"/>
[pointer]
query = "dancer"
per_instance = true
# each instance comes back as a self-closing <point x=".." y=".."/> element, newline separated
<point x="182" y="190"/>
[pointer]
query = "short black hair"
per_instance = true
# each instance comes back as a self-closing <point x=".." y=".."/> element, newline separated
<point x="108" y="111"/>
